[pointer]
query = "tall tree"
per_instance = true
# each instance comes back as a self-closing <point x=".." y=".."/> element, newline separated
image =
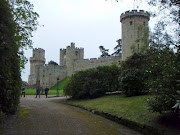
<point x="118" y="48"/>
<point x="104" y="51"/>
<point x="17" y="21"/>
<point x="26" y="22"/>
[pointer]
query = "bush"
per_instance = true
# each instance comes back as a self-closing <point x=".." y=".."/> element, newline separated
<point x="133" y="75"/>
<point x="164" y="76"/>
<point x="93" y="82"/>
<point x="132" y="82"/>
<point x="81" y="83"/>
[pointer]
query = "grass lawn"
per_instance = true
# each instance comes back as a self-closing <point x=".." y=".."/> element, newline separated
<point x="51" y="92"/>
<point x="132" y="108"/>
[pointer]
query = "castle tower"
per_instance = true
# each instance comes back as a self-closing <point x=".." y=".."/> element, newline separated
<point x="62" y="61"/>
<point x="134" y="32"/>
<point x="72" y="54"/>
<point x="36" y="62"/>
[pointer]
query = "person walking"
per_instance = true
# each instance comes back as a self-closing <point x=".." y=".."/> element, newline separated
<point x="46" y="91"/>
<point x="38" y="90"/>
<point x="23" y="91"/>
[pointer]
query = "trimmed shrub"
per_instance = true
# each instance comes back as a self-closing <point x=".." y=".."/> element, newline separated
<point x="93" y="82"/>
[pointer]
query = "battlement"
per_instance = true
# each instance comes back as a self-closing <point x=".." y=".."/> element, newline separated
<point x="100" y="59"/>
<point x="38" y="49"/>
<point x="133" y="13"/>
<point x="62" y="49"/>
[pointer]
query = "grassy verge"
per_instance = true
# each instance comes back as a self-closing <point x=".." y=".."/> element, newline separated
<point x="51" y="92"/>
<point x="132" y="108"/>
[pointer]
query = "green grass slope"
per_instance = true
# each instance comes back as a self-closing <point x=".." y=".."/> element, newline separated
<point x="60" y="84"/>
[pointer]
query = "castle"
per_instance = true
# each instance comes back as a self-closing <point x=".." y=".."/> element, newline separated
<point x="134" y="28"/>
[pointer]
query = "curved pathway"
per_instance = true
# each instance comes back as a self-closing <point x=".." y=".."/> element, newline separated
<point x="49" y="116"/>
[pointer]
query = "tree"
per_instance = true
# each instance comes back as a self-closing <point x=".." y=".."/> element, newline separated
<point x="118" y="48"/>
<point x="164" y="80"/>
<point x="52" y="62"/>
<point x="133" y="75"/>
<point x="26" y="22"/>
<point x="104" y="51"/>
<point x="10" y="81"/>
<point x="17" y="21"/>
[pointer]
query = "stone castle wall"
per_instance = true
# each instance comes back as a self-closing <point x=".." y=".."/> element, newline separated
<point x="49" y="74"/>
<point x="94" y="62"/>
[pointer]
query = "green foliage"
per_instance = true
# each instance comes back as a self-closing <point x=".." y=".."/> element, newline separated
<point x="104" y="51"/>
<point x="10" y="81"/>
<point x="52" y="62"/>
<point x="17" y="21"/>
<point x="164" y="79"/>
<point x="26" y="22"/>
<point x="133" y="74"/>
<point x="93" y="82"/>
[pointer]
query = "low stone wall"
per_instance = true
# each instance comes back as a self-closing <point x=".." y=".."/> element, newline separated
<point x="145" y="129"/>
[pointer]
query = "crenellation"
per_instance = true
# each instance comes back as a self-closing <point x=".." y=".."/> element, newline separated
<point x="134" y="13"/>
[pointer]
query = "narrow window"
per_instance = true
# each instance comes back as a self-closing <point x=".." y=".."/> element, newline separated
<point x="76" y="53"/>
<point x="131" y="22"/>
<point x="144" y="23"/>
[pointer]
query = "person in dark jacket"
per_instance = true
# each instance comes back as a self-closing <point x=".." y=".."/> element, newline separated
<point x="23" y="91"/>
<point x="46" y="91"/>
<point x="38" y="90"/>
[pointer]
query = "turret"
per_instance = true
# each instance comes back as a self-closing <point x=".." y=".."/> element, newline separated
<point x="36" y="62"/>
<point x="134" y="32"/>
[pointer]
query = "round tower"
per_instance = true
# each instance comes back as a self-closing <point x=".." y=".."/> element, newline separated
<point x="36" y="61"/>
<point x="134" y="32"/>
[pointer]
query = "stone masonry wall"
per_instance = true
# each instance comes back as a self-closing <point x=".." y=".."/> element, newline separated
<point x="94" y="62"/>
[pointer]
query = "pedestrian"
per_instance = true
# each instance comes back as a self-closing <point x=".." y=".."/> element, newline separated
<point x="46" y="91"/>
<point x="38" y="90"/>
<point x="23" y="91"/>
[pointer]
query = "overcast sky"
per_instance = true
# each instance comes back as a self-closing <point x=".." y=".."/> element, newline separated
<point x="87" y="23"/>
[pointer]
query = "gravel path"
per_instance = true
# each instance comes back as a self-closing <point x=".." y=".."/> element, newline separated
<point x="50" y="116"/>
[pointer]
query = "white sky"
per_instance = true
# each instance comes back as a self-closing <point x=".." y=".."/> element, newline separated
<point x="87" y="23"/>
